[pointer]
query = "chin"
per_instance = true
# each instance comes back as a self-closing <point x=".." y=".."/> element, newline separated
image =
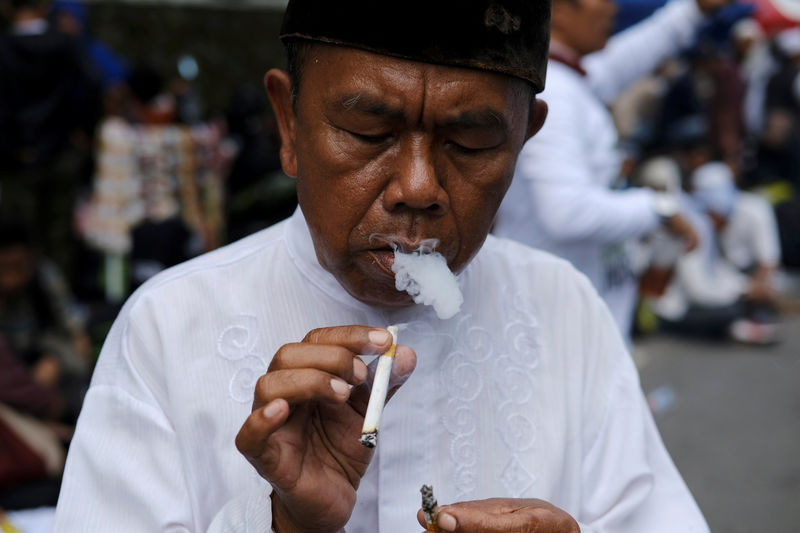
<point x="374" y="288"/>
<point x="383" y="298"/>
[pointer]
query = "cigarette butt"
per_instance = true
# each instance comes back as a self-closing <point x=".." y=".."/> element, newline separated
<point x="430" y="508"/>
<point x="380" y="387"/>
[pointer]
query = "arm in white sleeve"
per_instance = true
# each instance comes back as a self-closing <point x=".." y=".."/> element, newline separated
<point x="126" y="468"/>
<point x="764" y="226"/>
<point x="123" y="471"/>
<point x="638" y="50"/>
<point x="564" y="198"/>
<point x="630" y="482"/>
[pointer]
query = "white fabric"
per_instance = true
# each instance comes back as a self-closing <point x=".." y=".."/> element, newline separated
<point x="702" y="277"/>
<point x="751" y="236"/>
<point x="527" y="392"/>
<point x="39" y="520"/>
<point x="757" y="68"/>
<point x="713" y="188"/>
<point x="638" y="50"/>
<point x="561" y="198"/>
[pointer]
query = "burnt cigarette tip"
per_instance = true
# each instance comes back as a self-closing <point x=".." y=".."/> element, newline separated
<point x="430" y="508"/>
<point x="370" y="440"/>
<point x="428" y="499"/>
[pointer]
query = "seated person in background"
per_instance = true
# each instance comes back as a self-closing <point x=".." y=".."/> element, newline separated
<point x="38" y="319"/>
<point x="709" y="294"/>
<point x="32" y="444"/>
<point x="230" y="393"/>
<point x="748" y="234"/>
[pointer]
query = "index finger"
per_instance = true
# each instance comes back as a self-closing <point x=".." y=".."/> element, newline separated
<point x="358" y="339"/>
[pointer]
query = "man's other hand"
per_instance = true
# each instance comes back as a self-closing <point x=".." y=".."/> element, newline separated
<point x="500" y="515"/>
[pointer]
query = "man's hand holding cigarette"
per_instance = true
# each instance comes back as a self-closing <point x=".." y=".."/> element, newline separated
<point x="303" y="433"/>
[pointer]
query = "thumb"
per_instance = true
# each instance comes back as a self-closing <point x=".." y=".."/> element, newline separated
<point x="445" y="521"/>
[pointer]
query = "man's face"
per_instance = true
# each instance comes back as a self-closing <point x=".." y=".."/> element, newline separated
<point x="384" y="146"/>
<point x="584" y="25"/>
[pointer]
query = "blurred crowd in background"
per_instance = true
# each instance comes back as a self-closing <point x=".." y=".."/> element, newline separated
<point x="111" y="170"/>
<point x="719" y="125"/>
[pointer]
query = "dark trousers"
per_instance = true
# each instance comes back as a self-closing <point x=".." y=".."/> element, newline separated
<point x="715" y="321"/>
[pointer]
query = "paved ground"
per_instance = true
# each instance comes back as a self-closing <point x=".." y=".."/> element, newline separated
<point x="734" y="426"/>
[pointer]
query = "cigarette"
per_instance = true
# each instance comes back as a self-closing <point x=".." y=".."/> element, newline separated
<point x="430" y="508"/>
<point x="380" y="386"/>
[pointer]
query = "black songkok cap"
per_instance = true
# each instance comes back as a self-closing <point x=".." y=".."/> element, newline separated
<point x="506" y="36"/>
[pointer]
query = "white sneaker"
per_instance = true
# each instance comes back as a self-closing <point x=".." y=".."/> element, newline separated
<point x="748" y="331"/>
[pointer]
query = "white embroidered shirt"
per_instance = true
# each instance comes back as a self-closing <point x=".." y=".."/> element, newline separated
<point x="527" y="392"/>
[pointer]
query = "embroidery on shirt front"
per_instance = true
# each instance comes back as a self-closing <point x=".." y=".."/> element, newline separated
<point x="238" y="343"/>
<point x="480" y="368"/>
<point x="514" y="386"/>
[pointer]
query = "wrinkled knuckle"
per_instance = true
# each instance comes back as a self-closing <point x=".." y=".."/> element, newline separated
<point x="240" y="443"/>
<point x="313" y="335"/>
<point x="573" y="525"/>
<point x="302" y="391"/>
<point x="243" y="440"/>
<point x="344" y="365"/>
<point x="280" y="358"/>
<point x="262" y="383"/>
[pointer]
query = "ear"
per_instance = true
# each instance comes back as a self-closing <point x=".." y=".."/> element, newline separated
<point x="279" y="90"/>
<point x="537" y="116"/>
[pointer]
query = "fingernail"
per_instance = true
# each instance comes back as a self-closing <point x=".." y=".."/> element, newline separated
<point x="359" y="370"/>
<point x="340" y="387"/>
<point x="271" y="410"/>
<point x="447" y="522"/>
<point x="379" y="337"/>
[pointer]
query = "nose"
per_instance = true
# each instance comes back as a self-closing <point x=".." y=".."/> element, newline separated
<point x="415" y="183"/>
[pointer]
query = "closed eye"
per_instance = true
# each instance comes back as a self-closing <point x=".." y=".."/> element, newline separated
<point x="466" y="149"/>
<point x="370" y="139"/>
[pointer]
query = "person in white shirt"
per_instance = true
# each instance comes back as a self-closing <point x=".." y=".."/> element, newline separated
<point x="757" y="65"/>
<point x="565" y="197"/>
<point x="725" y="286"/>
<point x="524" y="411"/>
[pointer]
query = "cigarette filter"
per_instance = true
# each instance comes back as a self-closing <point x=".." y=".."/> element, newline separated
<point x="430" y="508"/>
<point x="380" y="387"/>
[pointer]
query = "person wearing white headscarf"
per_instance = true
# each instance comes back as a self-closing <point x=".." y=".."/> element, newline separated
<point x="709" y="294"/>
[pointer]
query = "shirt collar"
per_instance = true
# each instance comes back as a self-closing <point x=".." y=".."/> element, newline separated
<point x="301" y="249"/>
<point x="564" y="54"/>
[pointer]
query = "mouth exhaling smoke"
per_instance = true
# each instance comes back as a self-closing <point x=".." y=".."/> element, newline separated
<point x="423" y="273"/>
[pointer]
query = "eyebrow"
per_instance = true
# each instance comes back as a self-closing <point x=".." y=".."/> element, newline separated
<point x="369" y="105"/>
<point x="473" y="119"/>
<point x="483" y="118"/>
